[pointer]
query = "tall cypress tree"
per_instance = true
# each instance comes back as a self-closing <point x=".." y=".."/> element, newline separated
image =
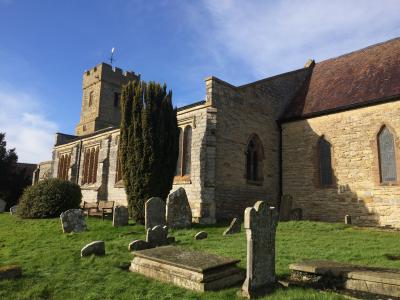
<point x="149" y="143"/>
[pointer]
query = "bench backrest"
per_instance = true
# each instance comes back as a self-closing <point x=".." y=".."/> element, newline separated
<point x="106" y="204"/>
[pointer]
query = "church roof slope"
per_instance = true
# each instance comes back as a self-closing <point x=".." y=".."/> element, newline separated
<point x="364" y="77"/>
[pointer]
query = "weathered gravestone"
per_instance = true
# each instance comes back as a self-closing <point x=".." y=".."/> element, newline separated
<point x="201" y="235"/>
<point x="120" y="216"/>
<point x="154" y="213"/>
<point x="10" y="272"/>
<point x="347" y="219"/>
<point x="138" y="245"/>
<point x="73" y="220"/>
<point x="2" y="205"/>
<point x="155" y="237"/>
<point x="234" y="227"/>
<point x="96" y="248"/>
<point x="178" y="212"/>
<point x="13" y="210"/>
<point x="260" y="223"/>
<point x="285" y="208"/>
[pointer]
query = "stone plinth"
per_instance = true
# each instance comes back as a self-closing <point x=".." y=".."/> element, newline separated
<point x="381" y="281"/>
<point x="193" y="270"/>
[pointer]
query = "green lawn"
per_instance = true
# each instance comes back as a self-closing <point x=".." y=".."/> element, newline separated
<point x="53" y="269"/>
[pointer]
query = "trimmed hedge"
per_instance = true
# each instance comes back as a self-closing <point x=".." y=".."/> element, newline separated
<point x="49" y="198"/>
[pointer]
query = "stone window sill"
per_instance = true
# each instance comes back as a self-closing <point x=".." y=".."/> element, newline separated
<point x="182" y="180"/>
<point x="91" y="186"/>
<point x="389" y="183"/>
<point x="255" y="182"/>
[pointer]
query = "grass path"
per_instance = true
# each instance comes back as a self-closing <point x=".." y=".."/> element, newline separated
<point x="53" y="269"/>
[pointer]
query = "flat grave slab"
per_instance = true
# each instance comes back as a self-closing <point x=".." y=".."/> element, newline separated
<point x="381" y="281"/>
<point x="193" y="270"/>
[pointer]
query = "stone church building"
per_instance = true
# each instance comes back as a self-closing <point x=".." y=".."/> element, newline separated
<point x="327" y="134"/>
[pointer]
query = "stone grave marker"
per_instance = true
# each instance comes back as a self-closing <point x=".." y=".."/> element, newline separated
<point x="73" y="220"/>
<point x="260" y="223"/>
<point x="285" y="208"/>
<point x="178" y="212"/>
<point x="120" y="216"/>
<point x="138" y="245"/>
<point x="13" y="210"/>
<point x="96" y="248"/>
<point x="10" y="272"/>
<point x="2" y="205"/>
<point x="234" y="227"/>
<point x="347" y="219"/>
<point x="154" y="213"/>
<point x="157" y="236"/>
<point x="201" y="235"/>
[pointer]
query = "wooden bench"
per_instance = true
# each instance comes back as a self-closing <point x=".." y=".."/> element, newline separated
<point x="101" y="208"/>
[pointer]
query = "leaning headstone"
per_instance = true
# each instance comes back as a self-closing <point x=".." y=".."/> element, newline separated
<point x="13" y="210"/>
<point x="234" y="227"/>
<point x="157" y="236"/>
<point x="285" y="208"/>
<point x="120" y="216"/>
<point x="96" y="248"/>
<point x="201" y="235"/>
<point x="178" y="212"/>
<point x="73" y="220"/>
<point x="260" y="223"/>
<point x="10" y="272"/>
<point x="138" y="245"/>
<point x="347" y="219"/>
<point x="2" y="205"/>
<point x="154" y="213"/>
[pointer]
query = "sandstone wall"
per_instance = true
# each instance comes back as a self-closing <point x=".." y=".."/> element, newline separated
<point x="243" y="111"/>
<point x="200" y="186"/>
<point x="357" y="190"/>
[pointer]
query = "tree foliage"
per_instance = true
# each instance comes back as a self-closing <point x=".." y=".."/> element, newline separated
<point x="149" y="143"/>
<point x="49" y="198"/>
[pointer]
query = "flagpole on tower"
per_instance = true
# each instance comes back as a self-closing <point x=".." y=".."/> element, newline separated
<point x="112" y="55"/>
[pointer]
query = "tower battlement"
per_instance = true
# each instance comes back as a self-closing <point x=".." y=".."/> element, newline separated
<point x="101" y="88"/>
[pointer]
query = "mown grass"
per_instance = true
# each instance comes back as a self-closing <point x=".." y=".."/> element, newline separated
<point x="53" y="269"/>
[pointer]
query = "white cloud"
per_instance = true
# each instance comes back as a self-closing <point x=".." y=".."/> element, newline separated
<point x="276" y="36"/>
<point x="27" y="128"/>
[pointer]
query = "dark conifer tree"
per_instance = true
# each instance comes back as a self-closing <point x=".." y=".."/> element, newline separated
<point x="149" y="143"/>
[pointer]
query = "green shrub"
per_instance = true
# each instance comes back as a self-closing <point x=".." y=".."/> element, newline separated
<point x="49" y="198"/>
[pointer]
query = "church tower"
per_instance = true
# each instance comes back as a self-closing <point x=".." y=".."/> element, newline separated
<point x="101" y="91"/>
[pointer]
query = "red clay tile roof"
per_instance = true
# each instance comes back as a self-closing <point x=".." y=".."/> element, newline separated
<point x="366" y="76"/>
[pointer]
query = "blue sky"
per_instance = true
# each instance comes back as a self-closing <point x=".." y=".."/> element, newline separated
<point x="45" y="47"/>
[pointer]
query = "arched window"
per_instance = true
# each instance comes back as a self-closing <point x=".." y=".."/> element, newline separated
<point x="90" y="165"/>
<point x="254" y="158"/>
<point x="387" y="156"/>
<point x="118" y="171"/>
<point x="187" y="150"/>
<point x="325" y="162"/>
<point x="183" y="165"/>
<point x="63" y="166"/>
<point x="179" y="161"/>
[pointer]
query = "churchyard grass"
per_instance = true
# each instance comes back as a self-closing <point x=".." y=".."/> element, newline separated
<point x="53" y="269"/>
